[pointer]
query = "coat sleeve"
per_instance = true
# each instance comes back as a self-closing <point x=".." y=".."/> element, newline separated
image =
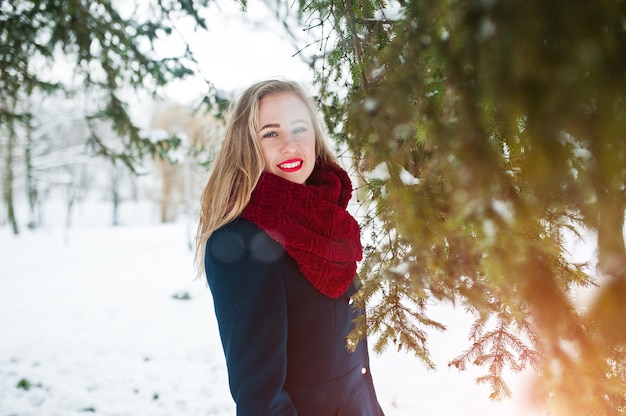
<point x="244" y="276"/>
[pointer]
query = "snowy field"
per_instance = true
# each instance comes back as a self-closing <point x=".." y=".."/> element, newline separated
<point x="110" y="321"/>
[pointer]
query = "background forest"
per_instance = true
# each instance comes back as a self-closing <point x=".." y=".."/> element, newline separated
<point x="483" y="136"/>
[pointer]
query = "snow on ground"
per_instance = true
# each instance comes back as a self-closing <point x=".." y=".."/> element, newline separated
<point x="96" y="320"/>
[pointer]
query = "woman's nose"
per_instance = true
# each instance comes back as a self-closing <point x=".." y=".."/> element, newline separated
<point x="288" y="144"/>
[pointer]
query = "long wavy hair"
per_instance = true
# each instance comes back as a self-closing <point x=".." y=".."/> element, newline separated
<point x="240" y="162"/>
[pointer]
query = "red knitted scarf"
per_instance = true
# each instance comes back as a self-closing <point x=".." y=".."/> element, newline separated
<point x="311" y="223"/>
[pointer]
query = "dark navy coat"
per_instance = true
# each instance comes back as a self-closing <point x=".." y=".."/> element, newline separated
<point x="283" y="340"/>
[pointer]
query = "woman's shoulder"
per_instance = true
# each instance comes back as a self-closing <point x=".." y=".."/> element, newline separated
<point x="238" y="226"/>
<point x="242" y="239"/>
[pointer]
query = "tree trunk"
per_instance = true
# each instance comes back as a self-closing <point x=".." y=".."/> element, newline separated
<point x="31" y="185"/>
<point x="611" y="249"/>
<point x="69" y="204"/>
<point x="8" y="181"/>
<point x="115" y="195"/>
<point x="609" y="307"/>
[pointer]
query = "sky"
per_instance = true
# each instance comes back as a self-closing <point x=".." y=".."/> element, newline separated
<point x="238" y="49"/>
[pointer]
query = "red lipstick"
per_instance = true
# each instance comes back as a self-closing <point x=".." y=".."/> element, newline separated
<point x="291" y="165"/>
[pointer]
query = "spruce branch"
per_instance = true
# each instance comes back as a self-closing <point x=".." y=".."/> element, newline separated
<point x="499" y="349"/>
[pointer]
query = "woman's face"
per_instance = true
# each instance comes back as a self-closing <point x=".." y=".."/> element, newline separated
<point x="287" y="136"/>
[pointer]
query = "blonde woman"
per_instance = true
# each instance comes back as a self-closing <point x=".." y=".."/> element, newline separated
<point x="279" y="251"/>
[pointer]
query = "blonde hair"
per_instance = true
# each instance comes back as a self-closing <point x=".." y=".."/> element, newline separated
<point x="240" y="162"/>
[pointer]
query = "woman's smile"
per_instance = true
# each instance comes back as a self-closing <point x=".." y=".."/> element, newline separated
<point x="291" y="165"/>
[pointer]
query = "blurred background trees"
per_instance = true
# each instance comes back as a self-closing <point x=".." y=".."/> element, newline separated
<point x="88" y="58"/>
<point x="486" y="137"/>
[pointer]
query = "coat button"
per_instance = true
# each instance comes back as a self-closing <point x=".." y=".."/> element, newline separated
<point x="363" y="370"/>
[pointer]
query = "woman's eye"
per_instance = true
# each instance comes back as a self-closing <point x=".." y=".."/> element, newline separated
<point x="299" y="129"/>
<point x="270" y="134"/>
